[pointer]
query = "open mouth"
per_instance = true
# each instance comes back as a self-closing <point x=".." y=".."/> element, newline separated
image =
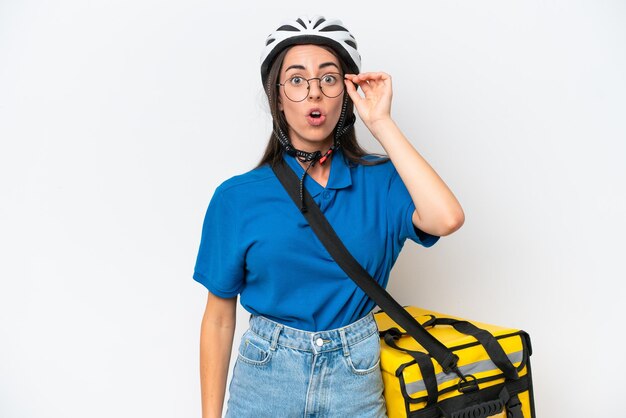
<point x="316" y="118"/>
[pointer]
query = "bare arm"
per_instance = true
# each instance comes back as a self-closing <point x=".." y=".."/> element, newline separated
<point x="437" y="210"/>
<point x="216" y="342"/>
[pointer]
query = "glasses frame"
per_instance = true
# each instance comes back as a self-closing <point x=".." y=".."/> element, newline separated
<point x="319" y="82"/>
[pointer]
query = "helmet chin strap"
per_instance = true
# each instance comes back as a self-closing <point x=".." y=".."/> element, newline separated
<point x="313" y="157"/>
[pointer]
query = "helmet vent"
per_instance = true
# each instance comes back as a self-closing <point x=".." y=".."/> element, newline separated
<point x="288" y="28"/>
<point x="333" y="28"/>
<point x="319" y="22"/>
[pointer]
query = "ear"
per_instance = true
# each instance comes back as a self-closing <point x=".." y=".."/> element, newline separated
<point x="280" y="103"/>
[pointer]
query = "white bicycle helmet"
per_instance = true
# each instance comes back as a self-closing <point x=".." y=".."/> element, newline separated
<point x="316" y="30"/>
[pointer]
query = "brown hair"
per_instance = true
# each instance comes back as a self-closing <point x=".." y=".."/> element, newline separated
<point x="274" y="151"/>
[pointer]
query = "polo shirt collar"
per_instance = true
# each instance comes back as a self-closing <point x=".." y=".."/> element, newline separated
<point x="340" y="176"/>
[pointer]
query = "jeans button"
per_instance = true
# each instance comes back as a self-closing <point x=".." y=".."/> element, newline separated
<point x="319" y="342"/>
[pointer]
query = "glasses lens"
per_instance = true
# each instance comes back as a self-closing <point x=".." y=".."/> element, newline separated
<point x="297" y="88"/>
<point x="331" y="84"/>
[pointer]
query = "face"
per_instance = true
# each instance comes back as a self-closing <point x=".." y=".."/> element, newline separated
<point x="312" y="120"/>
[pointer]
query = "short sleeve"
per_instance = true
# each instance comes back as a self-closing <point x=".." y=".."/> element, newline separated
<point x="400" y="208"/>
<point x="220" y="262"/>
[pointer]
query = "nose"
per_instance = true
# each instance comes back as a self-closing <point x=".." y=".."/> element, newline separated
<point x="315" y="89"/>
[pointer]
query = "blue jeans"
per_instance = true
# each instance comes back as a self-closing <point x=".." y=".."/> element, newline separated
<point x="282" y="372"/>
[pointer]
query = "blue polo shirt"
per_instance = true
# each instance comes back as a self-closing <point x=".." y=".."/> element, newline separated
<point x="256" y="243"/>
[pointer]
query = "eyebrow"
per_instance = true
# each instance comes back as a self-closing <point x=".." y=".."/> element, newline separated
<point x="322" y="65"/>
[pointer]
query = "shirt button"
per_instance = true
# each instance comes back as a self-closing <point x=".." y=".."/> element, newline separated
<point x="319" y="342"/>
<point x="326" y="194"/>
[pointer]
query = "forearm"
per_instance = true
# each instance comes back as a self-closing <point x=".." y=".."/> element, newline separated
<point x="437" y="211"/>
<point x="216" y="340"/>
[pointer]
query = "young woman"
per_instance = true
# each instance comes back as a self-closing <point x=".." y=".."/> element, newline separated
<point x="312" y="347"/>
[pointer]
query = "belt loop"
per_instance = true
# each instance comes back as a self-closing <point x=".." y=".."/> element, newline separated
<point x="344" y="342"/>
<point x="275" y="336"/>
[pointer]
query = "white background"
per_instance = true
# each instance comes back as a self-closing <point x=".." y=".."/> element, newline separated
<point x="119" y="118"/>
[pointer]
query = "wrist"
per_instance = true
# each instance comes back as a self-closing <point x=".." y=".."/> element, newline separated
<point x="381" y="127"/>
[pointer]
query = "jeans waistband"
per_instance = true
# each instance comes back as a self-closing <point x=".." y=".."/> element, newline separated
<point x="316" y="342"/>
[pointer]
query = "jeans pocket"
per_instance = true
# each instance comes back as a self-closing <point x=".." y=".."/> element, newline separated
<point x="254" y="349"/>
<point x="364" y="357"/>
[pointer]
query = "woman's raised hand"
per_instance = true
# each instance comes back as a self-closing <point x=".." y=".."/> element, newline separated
<point x="376" y="105"/>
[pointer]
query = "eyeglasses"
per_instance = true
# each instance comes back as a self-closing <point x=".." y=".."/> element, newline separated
<point x="297" y="88"/>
